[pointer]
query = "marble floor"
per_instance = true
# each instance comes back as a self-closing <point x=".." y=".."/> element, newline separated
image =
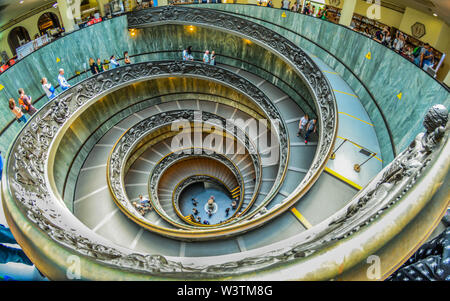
<point x="201" y="194"/>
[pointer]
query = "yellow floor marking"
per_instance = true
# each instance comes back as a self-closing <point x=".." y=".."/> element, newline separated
<point x="342" y="178"/>
<point x="345" y="93"/>
<point x="301" y="218"/>
<point x="331" y="72"/>
<point x="356" y="118"/>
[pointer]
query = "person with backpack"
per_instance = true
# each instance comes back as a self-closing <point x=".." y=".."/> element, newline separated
<point x="417" y="52"/>
<point x="93" y="66"/>
<point x="324" y="15"/>
<point x="427" y="58"/>
<point x="302" y="125"/>
<point x="25" y="103"/>
<point x="100" y="65"/>
<point x="48" y="88"/>
<point x="312" y="127"/>
<point x="62" y="80"/>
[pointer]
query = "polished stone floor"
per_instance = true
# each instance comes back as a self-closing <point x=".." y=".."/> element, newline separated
<point x="201" y="194"/>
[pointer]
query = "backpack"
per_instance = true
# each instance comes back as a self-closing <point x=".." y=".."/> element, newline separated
<point x="417" y="51"/>
<point x="23" y="104"/>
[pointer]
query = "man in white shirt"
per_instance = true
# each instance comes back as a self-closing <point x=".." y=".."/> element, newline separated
<point x="206" y="57"/>
<point x="113" y="63"/>
<point x="302" y="125"/>
<point x="286" y="4"/>
<point x="399" y="42"/>
<point x="62" y="81"/>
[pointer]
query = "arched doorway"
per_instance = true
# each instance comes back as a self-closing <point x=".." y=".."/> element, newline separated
<point x="47" y="21"/>
<point x="17" y="37"/>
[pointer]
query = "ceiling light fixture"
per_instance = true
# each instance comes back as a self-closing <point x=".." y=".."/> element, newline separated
<point x="21" y="2"/>
<point x="434" y="14"/>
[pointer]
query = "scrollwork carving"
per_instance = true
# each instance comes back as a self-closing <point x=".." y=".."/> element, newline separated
<point x="27" y="177"/>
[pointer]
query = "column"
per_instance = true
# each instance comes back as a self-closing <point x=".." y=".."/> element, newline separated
<point x="69" y="10"/>
<point x="162" y="2"/>
<point x="347" y="12"/>
<point x="101" y="6"/>
<point x="447" y="79"/>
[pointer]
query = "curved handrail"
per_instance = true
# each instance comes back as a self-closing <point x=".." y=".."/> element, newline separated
<point x="117" y="190"/>
<point x="391" y="137"/>
<point x="215" y="156"/>
<point x="48" y="124"/>
<point x="302" y="64"/>
<point x="59" y="111"/>
<point x="149" y="101"/>
<point x="278" y="79"/>
<point x="387" y="198"/>
<point x="387" y="204"/>
<point x="316" y="18"/>
<point x="231" y="79"/>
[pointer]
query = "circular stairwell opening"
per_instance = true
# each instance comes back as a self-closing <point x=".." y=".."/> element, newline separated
<point x="208" y="202"/>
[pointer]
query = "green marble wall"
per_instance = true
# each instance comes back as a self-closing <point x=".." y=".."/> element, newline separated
<point x="111" y="37"/>
<point x="386" y="75"/>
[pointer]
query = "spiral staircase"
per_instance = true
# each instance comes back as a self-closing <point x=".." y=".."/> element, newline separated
<point x="155" y="127"/>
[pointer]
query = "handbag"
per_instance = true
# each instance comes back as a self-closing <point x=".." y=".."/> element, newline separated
<point x="51" y="89"/>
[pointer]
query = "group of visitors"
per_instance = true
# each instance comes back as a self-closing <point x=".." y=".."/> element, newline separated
<point x="311" y="10"/>
<point x="195" y="211"/>
<point x="97" y="66"/>
<point x="144" y="206"/>
<point x="307" y="9"/>
<point x="422" y="55"/>
<point x="210" y="207"/>
<point x="208" y="58"/>
<point x="306" y="127"/>
<point x="49" y="89"/>
<point x="25" y="102"/>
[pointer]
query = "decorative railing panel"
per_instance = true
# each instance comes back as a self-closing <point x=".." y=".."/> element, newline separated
<point x="26" y="184"/>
